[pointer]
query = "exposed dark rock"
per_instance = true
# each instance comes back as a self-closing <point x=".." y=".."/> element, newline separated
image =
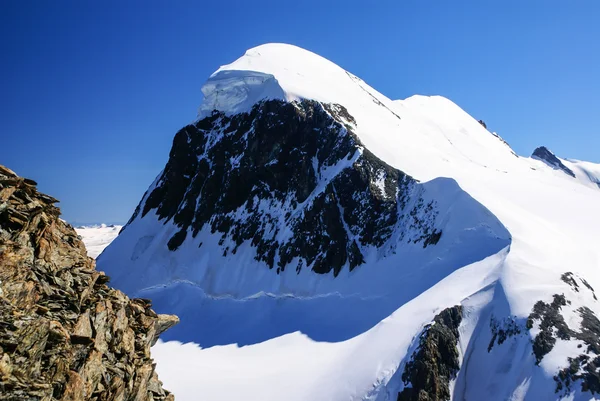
<point x="547" y="317"/>
<point x="584" y="367"/>
<point x="482" y="123"/>
<point x="503" y="329"/>
<point x="294" y="181"/>
<point x="64" y="334"/>
<point x="551" y="324"/>
<point x="589" y="287"/>
<point x="544" y="154"/>
<point x="590" y="330"/>
<point x="436" y="361"/>
<point x="571" y="280"/>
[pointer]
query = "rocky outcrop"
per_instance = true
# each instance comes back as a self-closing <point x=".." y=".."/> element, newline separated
<point x="544" y="154"/>
<point x="503" y="329"/>
<point x="435" y="363"/>
<point x="572" y="279"/>
<point x="551" y="325"/>
<point x="548" y="319"/>
<point x="585" y="367"/>
<point x="546" y="326"/>
<point x="64" y="334"/>
<point x="294" y="181"/>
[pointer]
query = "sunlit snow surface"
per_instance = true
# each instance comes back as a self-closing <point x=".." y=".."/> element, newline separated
<point x="512" y="226"/>
<point x="97" y="237"/>
<point x="587" y="173"/>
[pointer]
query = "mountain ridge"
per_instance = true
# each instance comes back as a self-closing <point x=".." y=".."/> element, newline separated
<point x="586" y="173"/>
<point x="510" y="230"/>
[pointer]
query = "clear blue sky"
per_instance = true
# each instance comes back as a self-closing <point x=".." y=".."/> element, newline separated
<point x="92" y="92"/>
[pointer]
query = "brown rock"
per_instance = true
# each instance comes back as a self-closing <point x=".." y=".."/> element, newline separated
<point x="128" y="341"/>
<point x="65" y="335"/>
<point x="5" y="367"/>
<point x="82" y="332"/>
<point x="103" y="309"/>
<point x="32" y="338"/>
<point x="92" y="372"/>
<point x="117" y="388"/>
<point x="74" y="390"/>
<point x="58" y="332"/>
<point x="163" y="323"/>
<point x="141" y="382"/>
<point x="7" y="172"/>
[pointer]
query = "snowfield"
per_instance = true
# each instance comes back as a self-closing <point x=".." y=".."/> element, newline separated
<point x="586" y="172"/>
<point x="97" y="237"/>
<point x="512" y="226"/>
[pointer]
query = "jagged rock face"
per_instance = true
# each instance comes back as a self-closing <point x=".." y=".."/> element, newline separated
<point x="436" y="361"/>
<point x="294" y="180"/>
<point x="64" y="334"/>
<point x="547" y="321"/>
<point x="544" y="154"/>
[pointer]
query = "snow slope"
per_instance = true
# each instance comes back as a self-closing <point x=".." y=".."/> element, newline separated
<point x="586" y="172"/>
<point x="97" y="237"/>
<point x="512" y="228"/>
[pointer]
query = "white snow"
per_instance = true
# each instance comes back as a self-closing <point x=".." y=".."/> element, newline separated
<point x="586" y="172"/>
<point x="97" y="237"/>
<point x="497" y="259"/>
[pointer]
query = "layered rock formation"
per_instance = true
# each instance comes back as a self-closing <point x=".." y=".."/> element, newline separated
<point x="65" y="334"/>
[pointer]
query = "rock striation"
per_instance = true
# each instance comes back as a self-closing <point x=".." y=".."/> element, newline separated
<point x="64" y="333"/>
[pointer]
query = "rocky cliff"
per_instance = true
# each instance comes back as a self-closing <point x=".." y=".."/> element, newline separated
<point x="64" y="333"/>
<point x="295" y="181"/>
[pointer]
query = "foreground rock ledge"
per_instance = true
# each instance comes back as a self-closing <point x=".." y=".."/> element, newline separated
<point x="65" y="334"/>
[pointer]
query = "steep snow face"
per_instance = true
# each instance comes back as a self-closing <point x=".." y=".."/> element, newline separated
<point x="271" y="197"/>
<point x="511" y="228"/>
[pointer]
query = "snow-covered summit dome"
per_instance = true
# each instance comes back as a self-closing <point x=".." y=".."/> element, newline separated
<point x="276" y="71"/>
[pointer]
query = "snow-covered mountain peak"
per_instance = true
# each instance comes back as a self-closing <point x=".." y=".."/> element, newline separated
<point x="400" y="132"/>
<point x="586" y="173"/>
<point x="273" y="71"/>
<point x="304" y="200"/>
<point x="544" y="154"/>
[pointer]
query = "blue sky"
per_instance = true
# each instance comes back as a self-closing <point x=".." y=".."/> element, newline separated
<point x="93" y="92"/>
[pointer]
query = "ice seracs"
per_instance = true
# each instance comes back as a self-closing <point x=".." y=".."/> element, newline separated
<point x="291" y="157"/>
